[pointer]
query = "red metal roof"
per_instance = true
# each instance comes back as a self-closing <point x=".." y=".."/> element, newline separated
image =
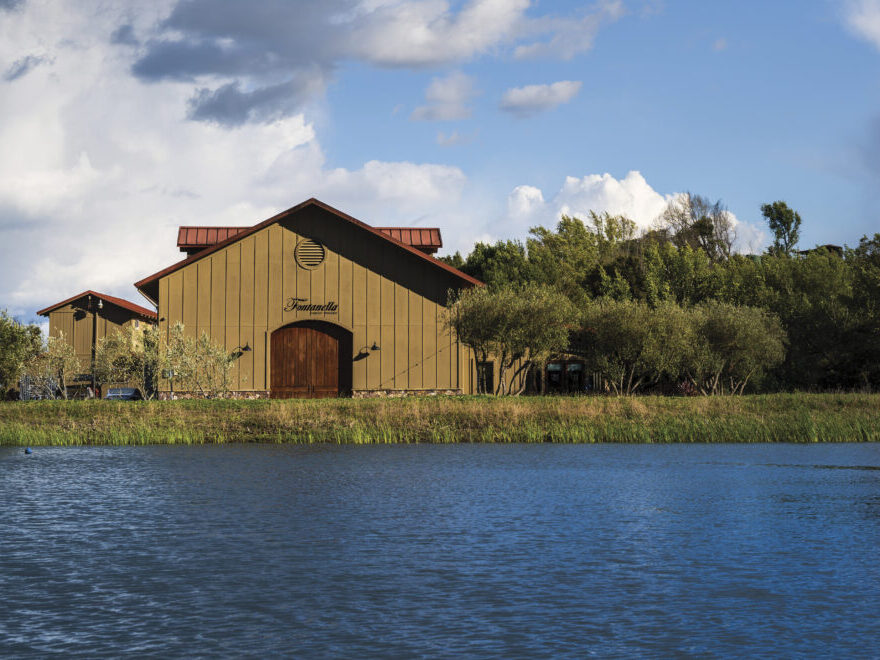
<point x="418" y="237"/>
<point x="119" y="302"/>
<point x="190" y="238"/>
<point x="289" y="212"/>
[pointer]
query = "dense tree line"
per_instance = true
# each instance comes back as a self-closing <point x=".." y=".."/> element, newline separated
<point x="822" y="304"/>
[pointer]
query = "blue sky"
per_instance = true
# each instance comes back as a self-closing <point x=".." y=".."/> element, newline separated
<point x="120" y="121"/>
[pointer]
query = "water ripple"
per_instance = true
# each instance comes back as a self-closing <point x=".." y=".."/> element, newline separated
<point x="483" y="551"/>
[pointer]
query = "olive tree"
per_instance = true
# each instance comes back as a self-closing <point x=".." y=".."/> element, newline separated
<point x="517" y="325"/>
<point x="129" y="355"/>
<point x="49" y="370"/>
<point x="632" y="344"/>
<point x="474" y="314"/>
<point x="197" y="364"/>
<point x="732" y="346"/>
<point x="536" y="325"/>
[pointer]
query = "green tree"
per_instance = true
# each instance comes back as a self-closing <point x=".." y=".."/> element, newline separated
<point x="732" y="346"/>
<point x="18" y="343"/>
<point x="454" y="260"/>
<point x="536" y="324"/>
<point x="681" y="274"/>
<point x="615" y="235"/>
<point x="813" y="296"/>
<point x="129" y="356"/>
<point x="865" y="263"/>
<point x="500" y="264"/>
<point x="195" y="364"/>
<point x="631" y="344"/>
<point x="50" y="370"/>
<point x="564" y="258"/>
<point x="862" y="347"/>
<point x="828" y="303"/>
<point x="616" y="287"/>
<point x="785" y="223"/>
<point x="694" y="221"/>
<point x="474" y="314"/>
<point x="517" y="325"/>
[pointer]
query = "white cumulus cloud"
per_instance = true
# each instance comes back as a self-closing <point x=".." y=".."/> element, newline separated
<point x="532" y="99"/>
<point x="631" y="196"/>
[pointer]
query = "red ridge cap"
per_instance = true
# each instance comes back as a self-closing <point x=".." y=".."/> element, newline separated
<point x="202" y="236"/>
<point x="416" y="236"/>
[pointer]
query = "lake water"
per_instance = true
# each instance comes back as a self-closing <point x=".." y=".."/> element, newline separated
<point x="475" y="550"/>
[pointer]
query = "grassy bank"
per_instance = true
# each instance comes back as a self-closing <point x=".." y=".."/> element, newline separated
<point x="768" y="418"/>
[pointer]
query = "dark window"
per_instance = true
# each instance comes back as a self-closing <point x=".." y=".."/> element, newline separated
<point x="486" y="377"/>
<point x="565" y="376"/>
<point x="575" y="377"/>
<point x="554" y="377"/>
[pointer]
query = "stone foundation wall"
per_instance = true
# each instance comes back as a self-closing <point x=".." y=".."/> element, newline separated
<point x="257" y="394"/>
<point x="357" y="394"/>
<point x="396" y="394"/>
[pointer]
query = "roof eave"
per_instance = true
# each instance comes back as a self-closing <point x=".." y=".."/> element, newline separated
<point x="112" y="300"/>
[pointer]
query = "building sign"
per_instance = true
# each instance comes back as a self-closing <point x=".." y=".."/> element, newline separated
<point x="303" y="305"/>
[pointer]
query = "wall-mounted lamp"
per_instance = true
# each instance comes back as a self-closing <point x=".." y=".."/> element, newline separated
<point x="365" y="351"/>
<point x="100" y="304"/>
<point x="238" y="351"/>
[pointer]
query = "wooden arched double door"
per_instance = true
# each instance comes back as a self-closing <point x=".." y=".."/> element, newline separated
<point x="310" y="360"/>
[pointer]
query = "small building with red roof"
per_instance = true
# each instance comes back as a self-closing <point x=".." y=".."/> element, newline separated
<point x="87" y="317"/>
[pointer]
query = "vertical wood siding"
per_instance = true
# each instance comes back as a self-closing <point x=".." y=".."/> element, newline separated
<point x="76" y="324"/>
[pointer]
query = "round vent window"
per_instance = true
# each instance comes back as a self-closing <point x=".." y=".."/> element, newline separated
<point x="309" y="254"/>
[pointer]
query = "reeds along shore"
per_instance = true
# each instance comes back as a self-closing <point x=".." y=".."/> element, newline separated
<point x="766" y="418"/>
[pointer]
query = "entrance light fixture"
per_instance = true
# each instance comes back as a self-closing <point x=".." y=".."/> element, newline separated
<point x="364" y="351"/>
<point x="238" y="351"/>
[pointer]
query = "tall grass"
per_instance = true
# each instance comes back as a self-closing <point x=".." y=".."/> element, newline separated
<point x="766" y="418"/>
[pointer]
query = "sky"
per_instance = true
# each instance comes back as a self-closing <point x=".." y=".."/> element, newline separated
<point x="121" y="120"/>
